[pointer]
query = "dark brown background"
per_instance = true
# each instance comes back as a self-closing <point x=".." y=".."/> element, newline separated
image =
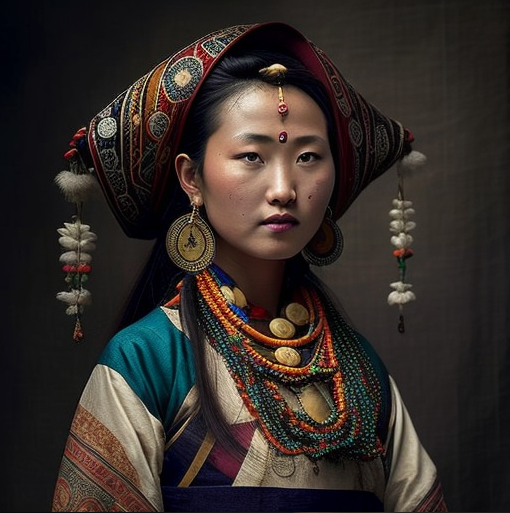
<point x="440" y="67"/>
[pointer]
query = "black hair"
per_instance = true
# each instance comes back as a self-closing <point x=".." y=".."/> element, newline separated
<point x="234" y="72"/>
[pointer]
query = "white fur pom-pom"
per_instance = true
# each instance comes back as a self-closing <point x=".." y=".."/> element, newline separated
<point x="412" y="162"/>
<point x="76" y="187"/>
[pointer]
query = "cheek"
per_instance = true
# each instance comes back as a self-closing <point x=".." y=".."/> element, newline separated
<point x="227" y="192"/>
<point x="221" y="186"/>
<point x="320" y="191"/>
<point x="229" y="195"/>
<point x="224" y="200"/>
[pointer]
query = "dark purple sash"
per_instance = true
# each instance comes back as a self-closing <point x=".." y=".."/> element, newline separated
<point x="253" y="498"/>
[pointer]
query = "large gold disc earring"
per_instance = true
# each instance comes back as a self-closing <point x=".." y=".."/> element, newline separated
<point x="326" y="245"/>
<point x="190" y="242"/>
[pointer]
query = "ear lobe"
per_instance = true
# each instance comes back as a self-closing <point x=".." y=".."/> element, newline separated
<point x="188" y="178"/>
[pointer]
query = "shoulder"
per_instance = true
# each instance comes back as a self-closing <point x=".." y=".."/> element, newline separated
<point x="155" y="358"/>
<point x="156" y="338"/>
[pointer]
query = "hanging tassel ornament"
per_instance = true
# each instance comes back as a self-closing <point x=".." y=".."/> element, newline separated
<point x="400" y="226"/>
<point x="76" y="239"/>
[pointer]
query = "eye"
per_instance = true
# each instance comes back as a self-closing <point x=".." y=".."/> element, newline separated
<point x="308" y="156"/>
<point x="250" y="157"/>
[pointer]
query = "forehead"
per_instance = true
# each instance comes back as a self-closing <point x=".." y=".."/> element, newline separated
<point x="256" y="105"/>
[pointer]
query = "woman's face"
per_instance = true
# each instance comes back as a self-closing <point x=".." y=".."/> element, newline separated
<point x="264" y="198"/>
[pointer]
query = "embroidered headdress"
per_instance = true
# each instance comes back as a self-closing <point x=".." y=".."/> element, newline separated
<point x="130" y="146"/>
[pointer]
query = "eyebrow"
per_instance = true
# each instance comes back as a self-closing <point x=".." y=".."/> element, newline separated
<point x="262" y="138"/>
<point x="252" y="137"/>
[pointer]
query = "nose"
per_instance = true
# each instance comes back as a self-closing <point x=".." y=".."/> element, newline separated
<point x="282" y="186"/>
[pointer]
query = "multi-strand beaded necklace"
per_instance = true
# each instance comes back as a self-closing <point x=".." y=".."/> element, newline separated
<point x="336" y="360"/>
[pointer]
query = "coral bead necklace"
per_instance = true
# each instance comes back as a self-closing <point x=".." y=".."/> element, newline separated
<point x="336" y="369"/>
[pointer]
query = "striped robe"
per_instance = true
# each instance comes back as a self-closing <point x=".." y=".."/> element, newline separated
<point x="134" y="444"/>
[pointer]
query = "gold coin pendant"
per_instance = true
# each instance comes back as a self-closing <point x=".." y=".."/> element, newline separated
<point x="228" y="293"/>
<point x="240" y="298"/>
<point x="297" y="314"/>
<point x="288" y="356"/>
<point x="282" y="328"/>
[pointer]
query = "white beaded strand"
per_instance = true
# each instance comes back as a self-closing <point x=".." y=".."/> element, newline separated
<point x="400" y="226"/>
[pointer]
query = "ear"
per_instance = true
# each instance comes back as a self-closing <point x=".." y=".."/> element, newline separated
<point x="189" y="178"/>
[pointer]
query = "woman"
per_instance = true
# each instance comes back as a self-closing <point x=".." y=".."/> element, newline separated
<point x="235" y="383"/>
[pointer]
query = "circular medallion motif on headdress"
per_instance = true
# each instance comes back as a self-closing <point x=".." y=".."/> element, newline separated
<point x="157" y="124"/>
<point x="107" y="127"/>
<point x="182" y="77"/>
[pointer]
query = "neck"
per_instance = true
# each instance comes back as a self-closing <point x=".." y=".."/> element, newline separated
<point x="260" y="280"/>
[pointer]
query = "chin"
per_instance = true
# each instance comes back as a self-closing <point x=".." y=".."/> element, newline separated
<point x="279" y="255"/>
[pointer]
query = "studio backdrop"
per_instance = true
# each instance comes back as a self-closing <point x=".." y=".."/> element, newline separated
<point x="440" y="67"/>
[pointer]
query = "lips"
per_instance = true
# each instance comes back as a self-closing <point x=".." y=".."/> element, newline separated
<point x="280" y="219"/>
<point x="280" y="222"/>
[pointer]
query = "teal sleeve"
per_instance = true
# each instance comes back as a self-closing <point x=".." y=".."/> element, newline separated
<point x="155" y="358"/>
